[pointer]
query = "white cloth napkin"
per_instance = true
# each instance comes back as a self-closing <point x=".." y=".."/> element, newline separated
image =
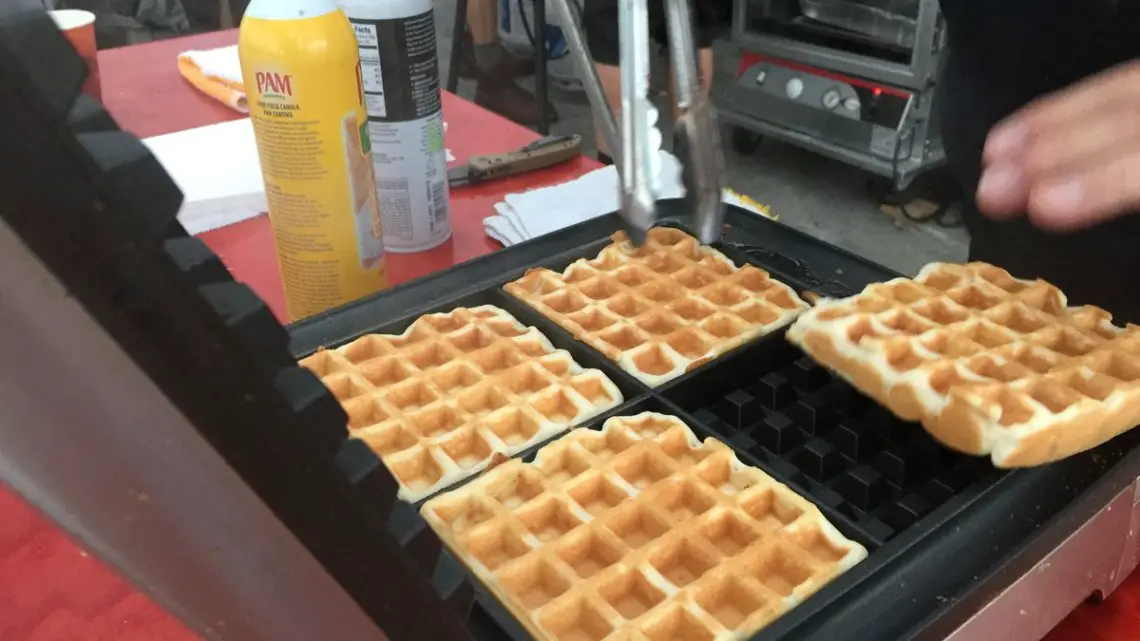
<point x="531" y="214"/>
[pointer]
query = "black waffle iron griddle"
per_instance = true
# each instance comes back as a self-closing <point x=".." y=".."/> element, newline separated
<point x="163" y="421"/>
<point x="885" y="483"/>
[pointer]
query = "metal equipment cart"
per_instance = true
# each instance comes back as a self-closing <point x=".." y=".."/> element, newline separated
<point x="853" y="80"/>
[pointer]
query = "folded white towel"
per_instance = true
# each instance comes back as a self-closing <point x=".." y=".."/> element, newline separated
<point x="532" y="214"/>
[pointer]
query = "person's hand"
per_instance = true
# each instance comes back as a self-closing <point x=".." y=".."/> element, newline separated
<point x="1070" y="159"/>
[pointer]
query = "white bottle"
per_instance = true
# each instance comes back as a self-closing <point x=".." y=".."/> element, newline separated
<point x="400" y="67"/>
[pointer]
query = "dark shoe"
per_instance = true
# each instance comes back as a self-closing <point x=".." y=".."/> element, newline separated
<point x="510" y="65"/>
<point x="502" y="96"/>
<point x="513" y="66"/>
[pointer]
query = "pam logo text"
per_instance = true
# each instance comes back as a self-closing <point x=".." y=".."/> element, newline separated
<point x="274" y="84"/>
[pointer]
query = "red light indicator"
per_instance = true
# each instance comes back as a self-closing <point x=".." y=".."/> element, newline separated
<point x="878" y="92"/>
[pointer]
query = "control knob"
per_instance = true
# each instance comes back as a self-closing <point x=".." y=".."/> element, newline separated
<point x="831" y="99"/>
<point x="794" y="88"/>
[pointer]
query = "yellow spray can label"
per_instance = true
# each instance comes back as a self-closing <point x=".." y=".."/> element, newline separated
<point x="307" y="106"/>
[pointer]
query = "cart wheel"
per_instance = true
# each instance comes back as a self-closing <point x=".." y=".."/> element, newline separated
<point x="745" y="141"/>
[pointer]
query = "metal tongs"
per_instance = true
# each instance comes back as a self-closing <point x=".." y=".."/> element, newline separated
<point x="637" y="151"/>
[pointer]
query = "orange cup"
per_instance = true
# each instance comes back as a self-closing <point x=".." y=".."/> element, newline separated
<point x="79" y="28"/>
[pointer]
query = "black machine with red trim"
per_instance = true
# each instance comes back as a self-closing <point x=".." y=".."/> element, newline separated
<point x="850" y="79"/>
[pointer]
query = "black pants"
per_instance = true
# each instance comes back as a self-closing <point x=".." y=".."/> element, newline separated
<point x="1098" y="266"/>
<point x="600" y="21"/>
<point x="123" y="22"/>
<point x="205" y="15"/>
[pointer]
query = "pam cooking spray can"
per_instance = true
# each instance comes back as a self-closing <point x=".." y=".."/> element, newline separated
<point x="302" y="73"/>
<point x="401" y="91"/>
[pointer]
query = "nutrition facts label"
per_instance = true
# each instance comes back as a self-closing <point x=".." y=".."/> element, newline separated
<point x="401" y="93"/>
<point x="400" y="67"/>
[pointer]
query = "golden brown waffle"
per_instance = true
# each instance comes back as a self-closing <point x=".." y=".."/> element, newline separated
<point x="989" y="363"/>
<point x="661" y="309"/>
<point x="440" y="401"/>
<point x="640" y="532"/>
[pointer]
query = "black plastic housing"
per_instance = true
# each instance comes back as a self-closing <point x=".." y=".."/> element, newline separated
<point x="883" y="482"/>
<point x="99" y="212"/>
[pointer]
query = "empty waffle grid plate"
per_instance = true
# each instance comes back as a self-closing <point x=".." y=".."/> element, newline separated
<point x="441" y="400"/>
<point x="661" y="309"/>
<point x="990" y="364"/>
<point x="864" y="467"/>
<point x="640" y="532"/>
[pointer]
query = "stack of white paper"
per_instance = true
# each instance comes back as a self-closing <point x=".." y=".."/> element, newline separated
<point x="217" y="169"/>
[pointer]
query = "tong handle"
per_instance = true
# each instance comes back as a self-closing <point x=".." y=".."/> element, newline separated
<point x="641" y="139"/>
<point x="682" y="53"/>
<point x="697" y="128"/>
<point x="636" y="147"/>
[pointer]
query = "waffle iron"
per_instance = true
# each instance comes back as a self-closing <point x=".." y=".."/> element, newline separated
<point x="188" y="450"/>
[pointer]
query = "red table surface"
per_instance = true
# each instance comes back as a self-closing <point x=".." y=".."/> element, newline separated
<point x="51" y="591"/>
<point x="168" y="104"/>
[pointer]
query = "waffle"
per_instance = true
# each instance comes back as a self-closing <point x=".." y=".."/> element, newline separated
<point x="989" y="364"/>
<point x="661" y="309"/>
<point x="454" y="391"/>
<point x="639" y="532"/>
